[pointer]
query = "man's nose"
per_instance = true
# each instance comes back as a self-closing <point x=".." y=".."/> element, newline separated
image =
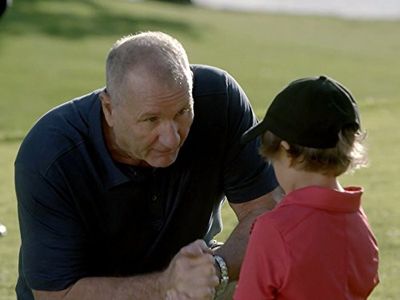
<point x="169" y="135"/>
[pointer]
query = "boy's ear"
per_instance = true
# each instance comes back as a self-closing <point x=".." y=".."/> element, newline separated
<point x="285" y="145"/>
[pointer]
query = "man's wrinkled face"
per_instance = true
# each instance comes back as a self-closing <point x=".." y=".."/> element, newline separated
<point x="152" y="122"/>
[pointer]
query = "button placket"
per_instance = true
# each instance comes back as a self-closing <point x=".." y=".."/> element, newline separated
<point x="156" y="206"/>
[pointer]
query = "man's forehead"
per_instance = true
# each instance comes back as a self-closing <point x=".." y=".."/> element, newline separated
<point x="145" y="86"/>
<point x="158" y="100"/>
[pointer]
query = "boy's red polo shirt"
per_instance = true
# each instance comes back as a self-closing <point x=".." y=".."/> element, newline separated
<point x="316" y="244"/>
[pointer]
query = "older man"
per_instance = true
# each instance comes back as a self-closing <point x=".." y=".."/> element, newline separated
<point x="117" y="190"/>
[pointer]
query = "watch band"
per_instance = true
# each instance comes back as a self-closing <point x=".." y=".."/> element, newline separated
<point x="224" y="277"/>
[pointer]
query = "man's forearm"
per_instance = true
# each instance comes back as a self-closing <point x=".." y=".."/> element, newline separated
<point x="150" y="286"/>
<point x="234" y="247"/>
<point x="190" y="275"/>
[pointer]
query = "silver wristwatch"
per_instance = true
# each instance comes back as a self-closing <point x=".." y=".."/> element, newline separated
<point x="224" y="277"/>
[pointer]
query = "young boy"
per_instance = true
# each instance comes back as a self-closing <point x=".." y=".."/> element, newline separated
<point x="316" y="243"/>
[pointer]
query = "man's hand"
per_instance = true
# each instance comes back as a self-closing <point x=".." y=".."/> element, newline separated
<point x="191" y="273"/>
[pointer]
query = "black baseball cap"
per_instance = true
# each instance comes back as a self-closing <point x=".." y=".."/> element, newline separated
<point x="309" y="112"/>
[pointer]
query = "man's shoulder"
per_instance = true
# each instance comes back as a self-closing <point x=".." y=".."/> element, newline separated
<point x="57" y="131"/>
<point x="207" y="70"/>
<point x="209" y="80"/>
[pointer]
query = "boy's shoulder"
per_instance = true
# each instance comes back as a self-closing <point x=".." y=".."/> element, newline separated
<point x="285" y="218"/>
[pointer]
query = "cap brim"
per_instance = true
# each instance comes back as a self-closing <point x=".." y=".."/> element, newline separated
<point x="252" y="133"/>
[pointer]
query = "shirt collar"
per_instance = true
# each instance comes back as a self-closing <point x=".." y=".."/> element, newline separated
<point x="348" y="200"/>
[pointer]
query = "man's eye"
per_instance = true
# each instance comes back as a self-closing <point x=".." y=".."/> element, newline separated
<point x="151" y="119"/>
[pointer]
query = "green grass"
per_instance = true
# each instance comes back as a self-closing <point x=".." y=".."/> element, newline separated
<point x="51" y="51"/>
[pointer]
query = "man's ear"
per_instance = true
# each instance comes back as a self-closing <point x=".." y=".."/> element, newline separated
<point x="106" y="106"/>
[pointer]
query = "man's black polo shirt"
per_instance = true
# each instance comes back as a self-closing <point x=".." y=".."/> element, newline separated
<point x="82" y="214"/>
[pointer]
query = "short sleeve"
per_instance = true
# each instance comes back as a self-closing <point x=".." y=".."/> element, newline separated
<point x="265" y="264"/>
<point x="246" y="175"/>
<point x="51" y="235"/>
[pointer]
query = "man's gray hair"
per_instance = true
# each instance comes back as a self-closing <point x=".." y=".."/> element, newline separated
<point x="158" y="53"/>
